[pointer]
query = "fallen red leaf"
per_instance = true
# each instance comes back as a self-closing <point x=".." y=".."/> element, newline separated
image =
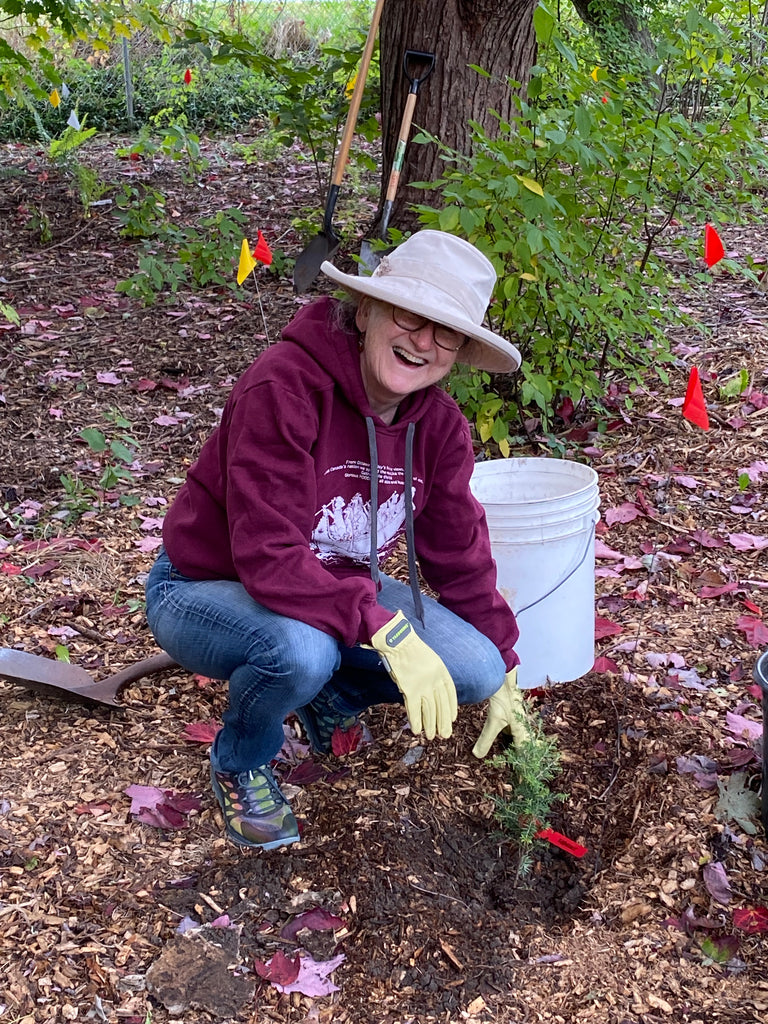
<point x="752" y="607"/>
<point x="307" y="772"/>
<point x="754" y="630"/>
<point x="747" y="541"/>
<point x="41" y="569"/>
<point x="727" y="588"/>
<point x="201" y="732"/>
<point x="346" y="741"/>
<point x="604" y="627"/>
<point x="316" y="920"/>
<point x="642" y="501"/>
<point x="280" y="970"/>
<point x="93" y="808"/>
<point x="624" y="513"/>
<point x="707" y="540"/>
<point x="751" y="920"/>
<point x="603" y="664"/>
<point x="566" y="410"/>
<point x="679" y="546"/>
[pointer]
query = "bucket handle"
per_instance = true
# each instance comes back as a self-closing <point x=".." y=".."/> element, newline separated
<point x="565" y="579"/>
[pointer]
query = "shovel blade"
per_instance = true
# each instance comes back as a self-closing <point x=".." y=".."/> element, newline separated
<point x="47" y="675"/>
<point x="369" y="259"/>
<point x="307" y="266"/>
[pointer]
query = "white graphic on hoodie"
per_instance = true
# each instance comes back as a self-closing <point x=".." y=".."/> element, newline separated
<point x="343" y="527"/>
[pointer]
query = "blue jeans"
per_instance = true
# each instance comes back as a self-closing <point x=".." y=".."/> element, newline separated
<point x="275" y="664"/>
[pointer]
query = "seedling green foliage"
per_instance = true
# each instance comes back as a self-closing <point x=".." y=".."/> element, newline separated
<point x="313" y="101"/>
<point x="9" y="313"/>
<point x="181" y="256"/>
<point x="115" y="451"/>
<point x="141" y="212"/>
<point x="572" y="201"/>
<point x="532" y="766"/>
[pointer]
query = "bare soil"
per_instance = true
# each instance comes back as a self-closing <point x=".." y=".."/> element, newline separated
<point x="399" y="838"/>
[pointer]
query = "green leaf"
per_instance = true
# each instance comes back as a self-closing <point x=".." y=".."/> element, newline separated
<point x="62" y="653"/>
<point x="566" y="52"/>
<point x="122" y="452"/>
<point x="534" y="238"/>
<point x="94" y="439"/>
<point x="583" y="120"/>
<point x="735" y="386"/>
<point x="543" y="23"/>
<point x="449" y="218"/>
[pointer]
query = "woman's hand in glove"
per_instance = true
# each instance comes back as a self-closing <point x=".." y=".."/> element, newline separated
<point x="420" y="675"/>
<point x="506" y="713"/>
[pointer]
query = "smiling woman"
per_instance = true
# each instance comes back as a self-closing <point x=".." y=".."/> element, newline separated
<point x="333" y="445"/>
<point x="396" y="361"/>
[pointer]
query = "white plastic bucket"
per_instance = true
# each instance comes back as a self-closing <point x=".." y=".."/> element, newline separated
<point x="541" y="517"/>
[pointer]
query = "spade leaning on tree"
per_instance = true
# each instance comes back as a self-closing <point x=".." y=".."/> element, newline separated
<point x="337" y="441"/>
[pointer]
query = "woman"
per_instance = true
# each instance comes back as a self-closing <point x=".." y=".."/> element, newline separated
<point x="334" y="443"/>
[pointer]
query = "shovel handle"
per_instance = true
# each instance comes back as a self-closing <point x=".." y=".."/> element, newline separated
<point x="402" y="142"/>
<point x="357" y="97"/>
<point x="405" y="130"/>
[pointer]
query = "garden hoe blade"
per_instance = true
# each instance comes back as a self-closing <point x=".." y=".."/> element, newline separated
<point x="369" y="257"/>
<point x="60" y="679"/>
<point x="325" y="244"/>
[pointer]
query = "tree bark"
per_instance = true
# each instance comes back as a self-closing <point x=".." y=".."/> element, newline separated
<point x="496" y="35"/>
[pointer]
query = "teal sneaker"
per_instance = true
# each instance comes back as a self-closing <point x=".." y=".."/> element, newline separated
<point x="320" y="720"/>
<point x="256" y="813"/>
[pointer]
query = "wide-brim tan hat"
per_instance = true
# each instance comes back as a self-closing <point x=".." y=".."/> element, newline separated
<point x="446" y="279"/>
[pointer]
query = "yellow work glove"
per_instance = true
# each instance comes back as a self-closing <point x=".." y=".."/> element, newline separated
<point x="506" y="713"/>
<point x="420" y="675"/>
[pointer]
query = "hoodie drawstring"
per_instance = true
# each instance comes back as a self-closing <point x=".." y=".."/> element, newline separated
<point x="373" y="454"/>
<point x="410" y="543"/>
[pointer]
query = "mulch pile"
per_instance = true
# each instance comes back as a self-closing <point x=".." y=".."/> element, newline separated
<point x="399" y="839"/>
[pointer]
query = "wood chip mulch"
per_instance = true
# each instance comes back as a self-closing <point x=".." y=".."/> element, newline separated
<point x="399" y="838"/>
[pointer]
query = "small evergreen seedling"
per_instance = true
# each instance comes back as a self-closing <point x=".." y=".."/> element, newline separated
<point x="525" y="811"/>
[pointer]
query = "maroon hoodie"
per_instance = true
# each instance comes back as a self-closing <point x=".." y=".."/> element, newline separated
<point x="280" y="496"/>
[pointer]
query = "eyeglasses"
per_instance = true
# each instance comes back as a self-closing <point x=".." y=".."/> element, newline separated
<point x="443" y="337"/>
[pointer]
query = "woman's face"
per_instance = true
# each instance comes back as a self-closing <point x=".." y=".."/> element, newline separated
<point x="396" y="362"/>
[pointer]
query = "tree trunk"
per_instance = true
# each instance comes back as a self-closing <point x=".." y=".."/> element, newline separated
<point x="496" y="35"/>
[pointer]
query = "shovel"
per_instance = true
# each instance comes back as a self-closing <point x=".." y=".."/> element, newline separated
<point x="60" y="679"/>
<point x="325" y="244"/>
<point x="370" y="258"/>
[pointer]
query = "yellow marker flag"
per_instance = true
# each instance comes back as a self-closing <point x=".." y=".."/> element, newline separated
<point x="55" y="98"/>
<point x="247" y="262"/>
<point x="593" y="73"/>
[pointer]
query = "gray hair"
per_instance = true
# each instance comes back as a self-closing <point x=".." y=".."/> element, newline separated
<point x="345" y="313"/>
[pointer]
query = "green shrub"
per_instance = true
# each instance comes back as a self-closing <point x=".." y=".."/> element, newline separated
<point x="571" y="201"/>
<point x="179" y="257"/>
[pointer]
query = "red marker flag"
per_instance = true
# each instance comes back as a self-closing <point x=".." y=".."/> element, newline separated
<point x="713" y="246"/>
<point x="187" y="77"/>
<point x="262" y="252"/>
<point x="558" y="839"/>
<point x="694" y="406"/>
